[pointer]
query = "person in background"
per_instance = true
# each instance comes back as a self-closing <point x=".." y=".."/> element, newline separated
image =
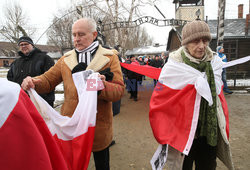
<point x="220" y="52"/>
<point x="157" y="62"/>
<point x="32" y="62"/>
<point x="141" y="62"/>
<point x="87" y="54"/>
<point x="116" y="105"/>
<point x="132" y="80"/>
<point x="189" y="112"/>
<point x="164" y="56"/>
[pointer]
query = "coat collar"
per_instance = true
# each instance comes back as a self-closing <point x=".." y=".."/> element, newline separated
<point x="99" y="61"/>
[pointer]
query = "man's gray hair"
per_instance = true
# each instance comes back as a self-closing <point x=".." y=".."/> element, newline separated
<point x="91" y="23"/>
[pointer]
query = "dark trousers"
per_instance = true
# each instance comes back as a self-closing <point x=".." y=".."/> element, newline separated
<point x="135" y="91"/>
<point x="155" y="82"/>
<point x="101" y="159"/>
<point x="224" y="79"/>
<point x="202" y="154"/>
<point x="132" y="85"/>
<point x="116" y="107"/>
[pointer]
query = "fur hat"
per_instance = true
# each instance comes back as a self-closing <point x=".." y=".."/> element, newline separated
<point x="25" y="39"/>
<point x="195" y="30"/>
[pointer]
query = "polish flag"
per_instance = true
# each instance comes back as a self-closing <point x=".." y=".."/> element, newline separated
<point x="146" y="70"/>
<point x="25" y="140"/>
<point x="175" y="103"/>
<point x="74" y="135"/>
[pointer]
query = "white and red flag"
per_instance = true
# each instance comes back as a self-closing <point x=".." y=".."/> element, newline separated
<point x="175" y="103"/>
<point x="25" y="140"/>
<point x="74" y="135"/>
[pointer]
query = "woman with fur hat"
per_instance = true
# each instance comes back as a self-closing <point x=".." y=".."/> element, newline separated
<point x="189" y="113"/>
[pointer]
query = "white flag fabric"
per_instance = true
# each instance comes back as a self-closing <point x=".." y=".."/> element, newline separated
<point x="75" y="134"/>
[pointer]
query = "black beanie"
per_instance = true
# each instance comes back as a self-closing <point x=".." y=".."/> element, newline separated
<point x="25" y="39"/>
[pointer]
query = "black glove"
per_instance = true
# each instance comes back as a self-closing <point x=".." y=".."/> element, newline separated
<point x="79" y="67"/>
<point x="109" y="75"/>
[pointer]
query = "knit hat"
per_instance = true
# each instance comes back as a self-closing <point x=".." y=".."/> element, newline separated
<point x="218" y="48"/>
<point x="25" y="39"/>
<point x="195" y="30"/>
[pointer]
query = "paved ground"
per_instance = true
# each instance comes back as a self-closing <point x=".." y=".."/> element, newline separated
<point x="135" y="144"/>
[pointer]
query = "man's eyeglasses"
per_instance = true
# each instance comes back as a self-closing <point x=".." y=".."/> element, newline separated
<point x="24" y="44"/>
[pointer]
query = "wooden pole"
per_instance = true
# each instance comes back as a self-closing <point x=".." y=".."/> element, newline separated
<point x="221" y="16"/>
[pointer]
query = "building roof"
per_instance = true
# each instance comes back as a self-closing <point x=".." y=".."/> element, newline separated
<point x="234" y="28"/>
<point x="148" y="50"/>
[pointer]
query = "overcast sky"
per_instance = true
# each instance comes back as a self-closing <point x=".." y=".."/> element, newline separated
<point x="41" y="13"/>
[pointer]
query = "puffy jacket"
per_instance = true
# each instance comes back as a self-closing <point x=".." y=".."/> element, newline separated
<point x="36" y="63"/>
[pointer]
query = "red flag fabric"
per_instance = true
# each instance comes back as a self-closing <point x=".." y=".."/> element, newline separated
<point x="175" y="103"/>
<point x="146" y="70"/>
<point x="74" y="135"/>
<point x="25" y="140"/>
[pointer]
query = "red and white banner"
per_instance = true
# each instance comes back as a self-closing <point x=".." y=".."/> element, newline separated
<point x="175" y="103"/>
<point x="25" y="140"/>
<point x="146" y="70"/>
<point x="74" y="135"/>
<point x="154" y="73"/>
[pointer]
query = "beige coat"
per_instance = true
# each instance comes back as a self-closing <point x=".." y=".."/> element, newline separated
<point x="113" y="91"/>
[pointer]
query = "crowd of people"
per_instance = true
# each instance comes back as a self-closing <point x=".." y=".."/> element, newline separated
<point x="209" y="137"/>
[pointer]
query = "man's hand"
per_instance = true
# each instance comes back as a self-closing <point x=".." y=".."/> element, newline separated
<point x="29" y="82"/>
<point x="102" y="77"/>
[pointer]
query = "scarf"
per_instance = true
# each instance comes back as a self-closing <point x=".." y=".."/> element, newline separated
<point x="86" y="55"/>
<point x="207" y="124"/>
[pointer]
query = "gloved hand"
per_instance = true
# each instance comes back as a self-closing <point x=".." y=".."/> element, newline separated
<point x="79" y="67"/>
<point x="107" y="73"/>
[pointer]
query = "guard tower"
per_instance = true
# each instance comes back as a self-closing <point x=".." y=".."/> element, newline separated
<point x="189" y="9"/>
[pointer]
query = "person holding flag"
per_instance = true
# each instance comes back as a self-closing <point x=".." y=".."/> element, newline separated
<point x="89" y="55"/>
<point x="188" y="111"/>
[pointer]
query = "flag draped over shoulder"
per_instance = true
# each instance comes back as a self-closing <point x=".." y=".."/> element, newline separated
<point x="74" y="135"/>
<point x="25" y="140"/>
<point x="175" y="103"/>
<point x="146" y="70"/>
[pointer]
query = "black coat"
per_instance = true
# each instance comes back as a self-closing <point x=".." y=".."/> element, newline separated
<point x="36" y="63"/>
<point x="130" y="74"/>
<point x="156" y="63"/>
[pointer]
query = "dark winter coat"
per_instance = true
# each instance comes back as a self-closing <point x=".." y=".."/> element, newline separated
<point x="156" y="63"/>
<point x="130" y="74"/>
<point x="36" y="63"/>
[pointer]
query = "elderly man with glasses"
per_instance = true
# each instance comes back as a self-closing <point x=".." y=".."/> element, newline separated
<point x="32" y="62"/>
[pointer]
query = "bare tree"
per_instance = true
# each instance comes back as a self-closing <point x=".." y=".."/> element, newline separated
<point x="15" y="24"/>
<point x="60" y="32"/>
<point x="115" y="11"/>
<point x="108" y="11"/>
<point x="111" y="11"/>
